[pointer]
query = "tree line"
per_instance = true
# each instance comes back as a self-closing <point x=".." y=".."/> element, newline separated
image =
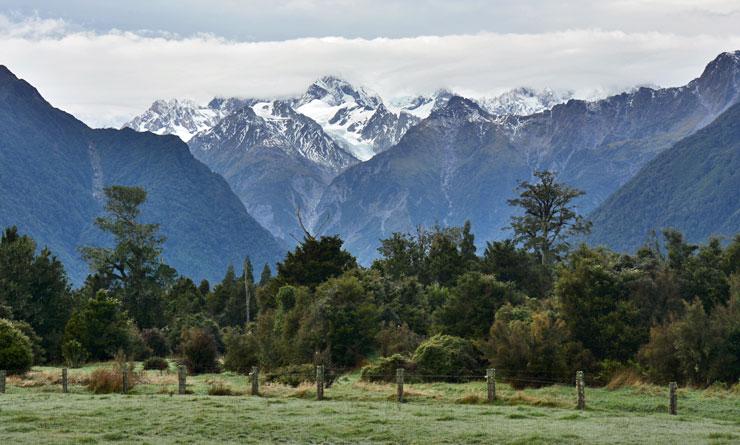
<point x="536" y="306"/>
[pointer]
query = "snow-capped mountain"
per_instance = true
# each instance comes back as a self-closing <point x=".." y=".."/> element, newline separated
<point x="183" y="118"/>
<point x="524" y="101"/>
<point x="355" y="117"/>
<point x="276" y="160"/>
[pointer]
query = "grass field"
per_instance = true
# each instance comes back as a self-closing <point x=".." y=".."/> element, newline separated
<point x="35" y="411"/>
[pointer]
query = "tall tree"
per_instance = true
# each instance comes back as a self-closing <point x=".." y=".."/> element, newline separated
<point x="248" y="283"/>
<point x="35" y="289"/>
<point x="266" y="275"/>
<point x="549" y="216"/>
<point x="315" y="261"/>
<point x="132" y="268"/>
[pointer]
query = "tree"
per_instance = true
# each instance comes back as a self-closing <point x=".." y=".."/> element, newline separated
<point x="133" y="267"/>
<point x="266" y="275"/>
<point x="248" y="285"/>
<point x="100" y="325"/>
<point x="35" y="289"/>
<point x="472" y="305"/>
<point x="518" y="266"/>
<point x="595" y="303"/>
<point x="549" y="216"/>
<point x="315" y="261"/>
<point x="16" y="355"/>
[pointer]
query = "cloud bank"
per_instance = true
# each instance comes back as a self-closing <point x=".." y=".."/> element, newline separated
<point x="104" y="78"/>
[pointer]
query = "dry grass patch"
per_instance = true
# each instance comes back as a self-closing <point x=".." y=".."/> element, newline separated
<point x="521" y="398"/>
<point x="626" y="377"/>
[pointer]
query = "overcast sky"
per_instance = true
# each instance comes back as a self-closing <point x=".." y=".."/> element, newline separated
<point x="105" y="61"/>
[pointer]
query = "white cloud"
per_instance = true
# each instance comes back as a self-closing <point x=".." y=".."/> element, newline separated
<point x="105" y="78"/>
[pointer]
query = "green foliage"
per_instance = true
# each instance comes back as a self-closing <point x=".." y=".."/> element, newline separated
<point x="101" y="326"/>
<point x="35" y="289"/>
<point x="242" y="351"/>
<point x="133" y="267"/>
<point x="155" y="340"/>
<point x="698" y="349"/>
<point x="74" y="353"/>
<point x="294" y="375"/>
<point x="156" y="363"/>
<point x="384" y="369"/>
<point x="16" y="353"/>
<point x="596" y="307"/>
<point x="348" y="319"/>
<point x="472" y="304"/>
<point x="315" y="261"/>
<point x="197" y="320"/>
<point x="200" y="351"/>
<point x="533" y="347"/>
<point x="508" y="264"/>
<point x="549" y="216"/>
<point x="447" y="358"/>
<point x="397" y="339"/>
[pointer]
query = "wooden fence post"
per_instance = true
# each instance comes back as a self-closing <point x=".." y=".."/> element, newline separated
<point x="320" y="382"/>
<point x="672" y="401"/>
<point x="581" y="390"/>
<point x="491" y="381"/>
<point x="255" y="380"/>
<point x="399" y="383"/>
<point x="181" y="382"/>
<point x="2" y="381"/>
<point x="125" y="379"/>
<point x="64" y="381"/>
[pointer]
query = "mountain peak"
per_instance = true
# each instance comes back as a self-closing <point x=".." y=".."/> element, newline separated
<point x="6" y="74"/>
<point x="458" y="107"/>
<point x="724" y="62"/>
<point x="335" y="91"/>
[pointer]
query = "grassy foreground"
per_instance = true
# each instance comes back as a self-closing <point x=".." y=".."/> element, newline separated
<point x="35" y="411"/>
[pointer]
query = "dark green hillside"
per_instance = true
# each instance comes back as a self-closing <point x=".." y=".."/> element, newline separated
<point x="53" y="169"/>
<point x="694" y="186"/>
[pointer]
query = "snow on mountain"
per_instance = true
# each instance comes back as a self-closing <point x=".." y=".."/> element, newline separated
<point x="182" y="118"/>
<point x="524" y="101"/>
<point x="354" y="117"/>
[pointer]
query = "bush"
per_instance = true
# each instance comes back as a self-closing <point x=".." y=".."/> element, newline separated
<point x="156" y="341"/>
<point x="200" y="351"/>
<point x="39" y="354"/>
<point x="447" y="358"/>
<point x="156" y="363"/>
<point x="294" y="375"/>
<point x="242" y="350"/>
<point x="74" y="353"/>
<point x="110" y="380"/>
<point x="100" y="325"/>
<point x="16" y="352"/>
<point x="219" y="388"/>
<point x="384" y="369"/>
<point x="394" y="339"/>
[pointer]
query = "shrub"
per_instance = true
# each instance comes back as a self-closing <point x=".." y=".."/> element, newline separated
<point x="110" y="380"/>
<point x="156" y="363"/>
<point x="156" y="341"/>
<point x="26" y="329"/>
<point x="136" y="346"/>
<point x="74" y="353"/>
<point x="100" y="325"/>
<point x="242" y="351"/>
<point x="219" y="388"/>
<point x="447" y="358"/>
<point x="199" y="350"/>
<point x="294" y="375"/>
<point x="16" y="352"/>
<point x="384" y="369"/>
<point x="397" y="339"/>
